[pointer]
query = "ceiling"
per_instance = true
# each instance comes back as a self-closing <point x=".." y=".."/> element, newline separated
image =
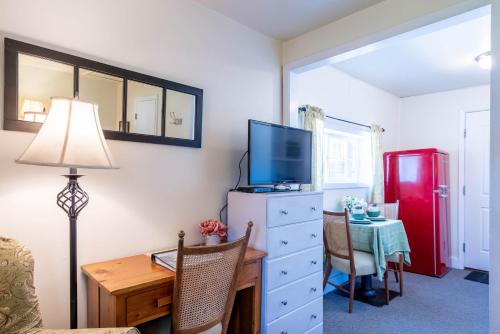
<point x="286" y="19"/>
<point x="437" y="58"/>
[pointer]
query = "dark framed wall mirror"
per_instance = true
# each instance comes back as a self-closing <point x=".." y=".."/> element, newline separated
<point x="132" y="106"/>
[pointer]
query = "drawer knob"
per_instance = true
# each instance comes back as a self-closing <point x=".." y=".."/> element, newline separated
<point x="313" y="289"/>
<point x="284" y="212"/>
<point x="314" y="235"/>
<point x="313" y="208"/>
<point x="314" y="316"/>
<point x="284" y="302"/>
<point x="284" y="272"/>
<point x="314" y="262"/>
<point x="284" y="242"/>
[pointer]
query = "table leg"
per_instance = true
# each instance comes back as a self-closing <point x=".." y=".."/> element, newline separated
<point x="366" y="289"/>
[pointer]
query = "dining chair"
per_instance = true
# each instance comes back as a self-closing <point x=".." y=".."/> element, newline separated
<point x="342" y="257"/>
<point x="395" y="261"/>
<point x="205" y="285"/>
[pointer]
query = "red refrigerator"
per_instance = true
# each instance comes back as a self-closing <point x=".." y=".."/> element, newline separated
<point x="419" y="180"/>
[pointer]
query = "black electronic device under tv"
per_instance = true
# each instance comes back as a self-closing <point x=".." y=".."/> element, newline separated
<point x="278" y="154"/>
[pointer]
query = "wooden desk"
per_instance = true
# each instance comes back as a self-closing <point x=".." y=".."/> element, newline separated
<point x="133" y="290"/>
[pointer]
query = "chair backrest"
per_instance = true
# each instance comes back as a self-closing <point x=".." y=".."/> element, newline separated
<point x="337" y="235"/>
<point x="205" y="284"/>
<point x="19" y="308"/>
<point x="389" y="210"/>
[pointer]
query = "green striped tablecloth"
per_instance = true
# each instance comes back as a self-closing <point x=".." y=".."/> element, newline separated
<point x="382" y="239"/>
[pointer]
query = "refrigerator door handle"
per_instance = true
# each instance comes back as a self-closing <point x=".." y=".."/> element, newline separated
<point x="442" y="191"/>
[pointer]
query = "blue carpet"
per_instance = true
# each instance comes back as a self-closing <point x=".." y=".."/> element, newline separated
<point x="448" y="305"/>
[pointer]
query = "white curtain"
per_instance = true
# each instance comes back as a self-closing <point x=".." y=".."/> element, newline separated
<point x="314" y="120"/>
<point x="377" y="190"/>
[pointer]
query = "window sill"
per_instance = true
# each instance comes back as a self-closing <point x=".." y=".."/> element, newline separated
<point x="345" y="186"/>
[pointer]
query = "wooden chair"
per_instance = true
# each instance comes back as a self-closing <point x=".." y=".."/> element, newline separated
<point x="341" y="255"/>
<point x="205" y="285"/>
<point x="395" y="262"/>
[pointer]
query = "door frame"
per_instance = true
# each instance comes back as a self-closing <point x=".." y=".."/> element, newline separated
<point x="460" y="261"/>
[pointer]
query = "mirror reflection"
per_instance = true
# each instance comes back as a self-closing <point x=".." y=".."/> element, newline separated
<point x="180" y="117"/>
<point x="107" y="92"/>
<point x="40" y="79"/>
<point x="144" y="104"/>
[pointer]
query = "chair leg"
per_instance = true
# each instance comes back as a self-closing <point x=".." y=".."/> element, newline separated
<point x="396" y="273"/>
<point x="386" y="286"/>
<point x="328" y="271"/>
<point x="352" y="285"/>
<point x="401" y="266"/>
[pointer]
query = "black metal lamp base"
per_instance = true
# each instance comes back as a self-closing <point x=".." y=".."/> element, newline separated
<point x="72" y="199"/>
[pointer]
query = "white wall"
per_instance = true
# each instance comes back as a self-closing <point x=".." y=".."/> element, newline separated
<point x="159" y="189"/>
<point x="345" y="97"/>
<point x="433" y="120"/>
<point x="495" y="176"/>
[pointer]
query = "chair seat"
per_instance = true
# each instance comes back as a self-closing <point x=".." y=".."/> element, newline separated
<point x="394" y="257"/>
<point x="162" y="326"/>
<point x="364" y="263"/>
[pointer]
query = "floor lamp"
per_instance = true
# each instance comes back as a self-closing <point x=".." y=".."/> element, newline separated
<point x="72" y="137"/>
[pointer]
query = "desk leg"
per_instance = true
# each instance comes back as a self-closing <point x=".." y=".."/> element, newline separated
<point x="257" y="301"/>
<point x="245" y="318"/>
<point x="92" y="304"/>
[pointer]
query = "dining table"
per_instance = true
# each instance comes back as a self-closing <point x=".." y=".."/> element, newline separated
<point x="382" y="238"/>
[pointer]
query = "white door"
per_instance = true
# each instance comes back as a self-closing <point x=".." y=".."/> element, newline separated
<point x="146" y="115"/>
<point x="477" y="192"/>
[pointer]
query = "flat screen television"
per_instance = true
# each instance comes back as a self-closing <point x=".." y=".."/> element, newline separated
<point x="278" y="154"/>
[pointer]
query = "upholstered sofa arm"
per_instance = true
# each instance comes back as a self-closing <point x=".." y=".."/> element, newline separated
<point x="130" y="330"/>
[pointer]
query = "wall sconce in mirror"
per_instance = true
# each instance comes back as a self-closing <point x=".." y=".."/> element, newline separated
<point x="132" y="106"/>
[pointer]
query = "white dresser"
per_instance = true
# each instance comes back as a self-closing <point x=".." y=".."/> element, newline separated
<point x="289" y="227"/>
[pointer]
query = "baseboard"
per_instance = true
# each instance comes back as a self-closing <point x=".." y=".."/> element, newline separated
<point x="455" y="263"/>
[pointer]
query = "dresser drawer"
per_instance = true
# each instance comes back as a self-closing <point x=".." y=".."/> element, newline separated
<point x="316" y="330"/>
<point x="287" y="239"/>
<point x="287" y="269"/>
<point x="291" y="296"/>
<point x="294" y="209"/>
<point x="149" y="305"/>
<point x="299" y="321"/>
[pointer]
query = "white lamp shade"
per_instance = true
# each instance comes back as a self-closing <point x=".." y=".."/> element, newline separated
<point x="70" y="137"/>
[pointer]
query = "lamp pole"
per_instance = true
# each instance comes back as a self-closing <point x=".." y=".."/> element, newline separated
<point x="72" y="199"/>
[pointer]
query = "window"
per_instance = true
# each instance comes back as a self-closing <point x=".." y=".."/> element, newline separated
<point x="346" y="157"/>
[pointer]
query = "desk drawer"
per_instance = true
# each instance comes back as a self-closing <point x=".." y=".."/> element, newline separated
<point x="294" y="209"/>
<point x="288" y="239"/>
<point x="291" y="296"/>
<point x="149" y="305"/>
<point x="249" y="274"/>
<point x="287" y="269"/>
<point x="299" y="321"/>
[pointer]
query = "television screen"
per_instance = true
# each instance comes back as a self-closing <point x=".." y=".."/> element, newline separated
<point x="278" y="154"/>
